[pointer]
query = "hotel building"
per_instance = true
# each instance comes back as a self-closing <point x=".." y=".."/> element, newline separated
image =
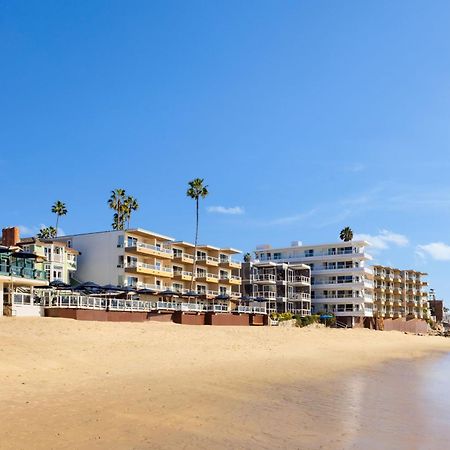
<point x="341" y="281"/>
<point x="147" y="260"/>
<point x="60" y="260"/>
<point x="283" y="287"/>
<point x="400" y="294"/>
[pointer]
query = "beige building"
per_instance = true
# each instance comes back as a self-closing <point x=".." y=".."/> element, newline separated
<point x="147" y="260"/>
<point x="400" y="293"/>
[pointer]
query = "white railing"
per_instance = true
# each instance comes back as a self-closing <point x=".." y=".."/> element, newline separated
<point x="300" y="296"/>
<point x="300" y="279"/>
<point x="22" y="299"/>
<point x="184" y="256"/>
<point x="266" y="294"/>
<point x="265" y="277"/>
<point x="156" y="248"/>
<point x="252" y="309"/>
<point x="207" y="258"/>
<point x="179" y="273"/>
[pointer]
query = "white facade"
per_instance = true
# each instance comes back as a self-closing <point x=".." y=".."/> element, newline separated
<point x="341" y="281"/>
<point x="104" y="258"/>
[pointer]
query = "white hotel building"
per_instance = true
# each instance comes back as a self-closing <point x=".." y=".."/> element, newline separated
<point x="341" y="281"/>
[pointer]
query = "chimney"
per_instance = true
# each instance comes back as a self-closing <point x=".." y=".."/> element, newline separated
<point x="10" y="236"/>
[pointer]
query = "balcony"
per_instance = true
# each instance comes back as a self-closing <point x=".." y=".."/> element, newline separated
<point x="266" y="294"/>
<point x="149" y="269"/>
<point x="183" y="258"/>
<point x="182" y="275"/>
<point x="208" y="277"/>
<point x="300" y="280"/>
<point x="228" y="262"/>
<point x="232" y="279"/>
<point x="28" y="273"/>
<point x="209" y="260"/>
<point x="150" y="250"/>
<point x="265" y="278"/>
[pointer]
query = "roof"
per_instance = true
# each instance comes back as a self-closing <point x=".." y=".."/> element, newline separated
<point x="139" y="231"/>
<point x="35" y="240"/>
<point x="308" y="246"/>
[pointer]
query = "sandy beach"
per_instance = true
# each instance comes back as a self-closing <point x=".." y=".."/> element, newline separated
<point x="72" y="384"/>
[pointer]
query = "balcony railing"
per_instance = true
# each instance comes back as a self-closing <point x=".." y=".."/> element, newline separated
<point x="22" y="272"/>
<point x="265" y="277"/>
<point x="266" y="294"/>
<point x="141" y="245"/>
<point x="141" y="265"/>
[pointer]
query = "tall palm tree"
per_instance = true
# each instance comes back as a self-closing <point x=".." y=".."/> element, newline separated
<point x="196" y="190"/>
<point x="131" y="204"/>
<point x="46" y="233"/>
<point x="59" y="208"/>
<point x="346" y="234"/>
<point x="247" y="257"/>
<point x="117" y="202"/>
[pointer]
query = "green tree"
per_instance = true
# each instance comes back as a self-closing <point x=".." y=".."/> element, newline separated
<point x="116" y="202"/>
<point x="196" y="190"/>
<point x="346" y="234"/>
<point x="131" y="204"/>
<point x="47" y="233"/>
<point x="247" y="257"/>
<point x="58" y="208"/>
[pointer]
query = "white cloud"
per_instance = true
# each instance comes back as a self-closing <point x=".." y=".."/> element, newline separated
<point x="31" y="230"/>
<point x="234" y="210"/>
<point x="437" y="250"/>
<point x="356" y="167"/>
<point x="28" y="231"/>
<point x="384" y="239"/>
<point x="288" y="220"/>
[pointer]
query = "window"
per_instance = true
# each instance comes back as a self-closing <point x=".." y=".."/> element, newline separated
<point x="120" y="241"/>
<point x="120" y="261"/>
<point x="277" y="255"/>
<point x="309" y="253"/>
<point x="131" y="241"/>
<point x="222" y="290"/>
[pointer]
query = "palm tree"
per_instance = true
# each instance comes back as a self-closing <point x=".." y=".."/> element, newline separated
<point x="47" y="233"/>
<point x="247" y="257"/>
<point x="59" y="208"/>
<point x="346" y="234"/>
<point x="131" y="204"/>
<point x="116" y="202"/>
<point x="196" y="190"/>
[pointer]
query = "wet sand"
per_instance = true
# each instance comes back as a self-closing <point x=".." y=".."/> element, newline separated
<point x="68" y="384"/>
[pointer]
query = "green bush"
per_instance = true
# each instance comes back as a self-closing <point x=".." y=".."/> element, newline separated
<point x="307" y="320"/>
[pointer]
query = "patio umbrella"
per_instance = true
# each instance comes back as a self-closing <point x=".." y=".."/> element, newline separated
<point x="169" y="293"/>
<point x="146" y="292"/>
<point x="223" y="297"/>
<point x="190" y="294"/>
<point x="260" y="299"/>
<point x="58" y="284"/>
<point x="246" y="298"/>
<point x="88" y="286"/>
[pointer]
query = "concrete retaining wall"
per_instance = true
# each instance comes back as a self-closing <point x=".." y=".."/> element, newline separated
<point x="409" y="326"/>
<point x="227" y="319"/>
<point x="92" y="314"/>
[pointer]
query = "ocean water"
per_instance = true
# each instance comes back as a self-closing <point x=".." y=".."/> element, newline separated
<point x="400" y="405"/>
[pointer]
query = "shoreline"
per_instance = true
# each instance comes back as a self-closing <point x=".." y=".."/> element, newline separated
<point x="157" y="385"/>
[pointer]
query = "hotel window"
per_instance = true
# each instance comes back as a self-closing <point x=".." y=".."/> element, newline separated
<point x="277" y="255"/>
<point x="120" y="241"/>
<point x="223" y="258"/>
<point x="120" y="261"/>
<point x="177" y="287"/>
<point x="132" y="281"/>
<point x="331" y="251"/>
<point x="309" y="253"/>
<point x="222" y="290"/>
<point x="201" y="289"/>
<point x="177" y="253"/>
<point x="131" y="241"/>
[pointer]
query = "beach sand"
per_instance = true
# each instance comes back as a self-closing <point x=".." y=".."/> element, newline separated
<point x="87" y="385"/>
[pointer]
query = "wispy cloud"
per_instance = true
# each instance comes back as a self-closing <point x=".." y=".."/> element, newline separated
<point x="295" y="218"/>
<point x="233" y="210"/>
<point x="356" y="167"/>
<point x="33" y="230"/>
<point x="384" y="239"/>
<point x="437" y="250"/>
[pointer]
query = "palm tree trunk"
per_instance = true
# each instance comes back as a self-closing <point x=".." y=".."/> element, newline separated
<point x="195" y="245"/>
<point x="57" y="219"/>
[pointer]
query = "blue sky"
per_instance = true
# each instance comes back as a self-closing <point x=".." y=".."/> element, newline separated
<point x="302" y="116"/>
